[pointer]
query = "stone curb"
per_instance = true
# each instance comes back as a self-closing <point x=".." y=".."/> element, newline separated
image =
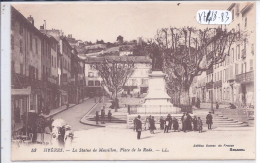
<point x="82" y="120"/>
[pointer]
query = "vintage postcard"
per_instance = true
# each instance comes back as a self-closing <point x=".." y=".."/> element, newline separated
<point x="132" y="80"/>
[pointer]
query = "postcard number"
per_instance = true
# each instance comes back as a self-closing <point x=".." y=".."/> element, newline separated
<point x="214" y="17"/>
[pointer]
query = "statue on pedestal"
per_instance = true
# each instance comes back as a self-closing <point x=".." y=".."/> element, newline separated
<point x="157" y="60"/>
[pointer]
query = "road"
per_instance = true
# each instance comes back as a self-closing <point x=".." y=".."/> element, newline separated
<point x="73" y="115"/>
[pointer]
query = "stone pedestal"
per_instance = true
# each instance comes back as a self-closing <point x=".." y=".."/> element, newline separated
<point x="157" y="100"/>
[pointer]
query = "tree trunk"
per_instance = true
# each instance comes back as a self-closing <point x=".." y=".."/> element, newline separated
<point x="116" y="102"/>
<point x="185" y="100"/>
<point x="184" y="97"/>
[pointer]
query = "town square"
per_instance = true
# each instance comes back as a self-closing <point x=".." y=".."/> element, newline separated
<point x="122" y="82"/>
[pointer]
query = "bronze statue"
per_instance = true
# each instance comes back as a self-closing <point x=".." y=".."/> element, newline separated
<point x="157" y="60"/>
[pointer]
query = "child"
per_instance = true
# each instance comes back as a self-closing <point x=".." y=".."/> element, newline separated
<point x="200" y="125"/>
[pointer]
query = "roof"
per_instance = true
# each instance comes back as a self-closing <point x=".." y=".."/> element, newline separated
<point x="135" y="59"/>
<point x="16" y="13"/>
<point x="231" y="6"/>
<point x="246" y="8"/>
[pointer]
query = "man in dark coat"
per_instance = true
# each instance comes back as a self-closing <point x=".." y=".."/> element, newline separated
<point x="102" y="116"/>
<point x="184" y="122"/>
<point x="170" y="123"/>
<point x="109" y="115"/>
<point x="198" y="103"/>
<point x="138" y="126"/>
<point x="195" y="123"/>
<point x="97" y="117"/>
<point x="189" y="122"/>
<point x="152" y="125"/>
<point x="135" y="121"/>
<point x="209" y="121"/>
<point x="161" y="123"/>
<point x="175" y="124"/>
<point x="167" y="122"/>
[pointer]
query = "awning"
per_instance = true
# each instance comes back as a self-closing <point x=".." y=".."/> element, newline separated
<point x="26" y="91"/>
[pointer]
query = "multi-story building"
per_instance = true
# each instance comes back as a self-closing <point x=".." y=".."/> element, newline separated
<point x="66" y="53"/>
<point x="25" y="66"/>
<point x="138" y="82"/>
<point x="77" y="80"/>
<point x="92" y="77"/>
<point x="232" y="81"/>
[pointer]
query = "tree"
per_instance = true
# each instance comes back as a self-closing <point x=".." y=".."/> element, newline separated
<point x="187" y="52"/>
<point x="115" y="73"/>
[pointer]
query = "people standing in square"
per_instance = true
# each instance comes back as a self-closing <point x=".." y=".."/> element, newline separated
<point x="138" y="126"/>
<point x="209" y="121"/>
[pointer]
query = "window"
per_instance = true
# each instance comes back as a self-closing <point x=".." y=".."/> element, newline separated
<point x="31" y="41"/>
<point x="90" y="83"/>
<point x="238" y="28"/>
<point x="245" y="22"/>
<point x="221" y="75"/>
<point x="245" y="43"/>
<point x="245" y="65"/>
<point x="36" y="46"/>
<point x="97" y="83"/>
<point x="238" y="51"/>
<point x="252" y="49"/>
<point x="242" y="68"/>
<point x="55" y="63"/>
<point x="36" y="74"/>
<point x="91" y="74"/>
<point x="21" y="29"/>
<point x="21" y="46"/>
<point x="12" y="42"/>
<point x="21" y="69"/>
<point x="251" y="64"/>
<point x="224" y="73"/>
<point x="232" y="55"/>
<point x="236" y="69"/>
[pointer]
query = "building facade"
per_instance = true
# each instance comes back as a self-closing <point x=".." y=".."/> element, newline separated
<point x="137" y="83"/>
<point x="232" y="81"/>
<point x="25" y="67"/>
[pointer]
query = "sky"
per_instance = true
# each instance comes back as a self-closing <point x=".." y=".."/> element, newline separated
<point x="91" y="21"/>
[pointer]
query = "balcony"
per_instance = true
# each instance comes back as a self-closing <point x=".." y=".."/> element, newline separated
<point x="218" y="84"/>
<point x="209" y="85"/>
<point x="243" y="54"/>
<point x="245" y="77"/>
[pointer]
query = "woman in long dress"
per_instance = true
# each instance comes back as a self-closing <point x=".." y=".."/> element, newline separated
<point x="68" y="136"/>
<point x="147" y="124"/>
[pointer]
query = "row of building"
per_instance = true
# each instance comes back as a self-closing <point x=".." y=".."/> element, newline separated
<point x="233" y="80"/>
<point x="46" y="71"/>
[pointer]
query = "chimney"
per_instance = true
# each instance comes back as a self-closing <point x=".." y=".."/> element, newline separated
<point x="30" y="19"/>
<point x="42" y="27"/>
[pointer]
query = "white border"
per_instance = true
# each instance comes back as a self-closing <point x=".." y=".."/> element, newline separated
<point x="6" y="98"/>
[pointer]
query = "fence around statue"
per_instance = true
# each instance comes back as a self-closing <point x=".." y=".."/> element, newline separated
<point x="153" y="109"/>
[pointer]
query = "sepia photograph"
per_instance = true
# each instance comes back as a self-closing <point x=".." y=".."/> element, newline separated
<point x="132" y="80"/>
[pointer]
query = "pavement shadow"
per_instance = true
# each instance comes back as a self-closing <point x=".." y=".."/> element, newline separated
<point x="147" y="137"/>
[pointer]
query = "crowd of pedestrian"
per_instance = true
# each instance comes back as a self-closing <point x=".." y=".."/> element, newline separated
<point x="188" y="123"/>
